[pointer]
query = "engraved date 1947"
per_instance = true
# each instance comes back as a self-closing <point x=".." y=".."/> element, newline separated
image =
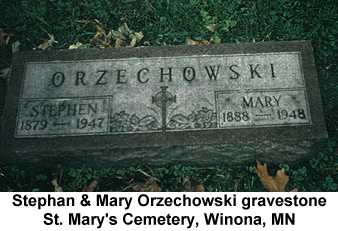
<point x="80" y="123"/>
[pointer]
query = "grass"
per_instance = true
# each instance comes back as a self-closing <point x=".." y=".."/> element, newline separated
<point x="165" y="22"/>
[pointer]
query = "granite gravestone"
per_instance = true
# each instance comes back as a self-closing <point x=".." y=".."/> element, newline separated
<point x="157" y="105"/>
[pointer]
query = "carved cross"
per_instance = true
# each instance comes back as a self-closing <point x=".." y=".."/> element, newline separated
<point x="163" y="100"/>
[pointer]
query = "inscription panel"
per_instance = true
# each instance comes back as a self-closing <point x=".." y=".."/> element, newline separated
<point x="162" y="94"/>
<point x="262" y="108"/>
<point x="55" y="117"/>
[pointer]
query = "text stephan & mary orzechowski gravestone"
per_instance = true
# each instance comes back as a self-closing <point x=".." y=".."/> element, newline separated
<point x="198" y="104"/>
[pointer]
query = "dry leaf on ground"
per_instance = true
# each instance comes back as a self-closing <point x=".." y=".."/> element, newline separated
<point x="136" y="38"/>
<point x="124" y="37"/>
<point x="5" y="73"/>
<point x="48" y="42"/>
<point x="212" y="27"/>
<point x="5" y="37"/>
<point x="91" y="187"/>
<point x="190" y="41"/>
<point x="150" y="185"/>
<point x="199" y="188"/>
<point x="190" y="185"/>
<point x="272" y="183"/>
<point x="101" y="38"/>
<point x="77" y="45"/>
<point x="57" y="187"/>
<point x="1" y="172"/>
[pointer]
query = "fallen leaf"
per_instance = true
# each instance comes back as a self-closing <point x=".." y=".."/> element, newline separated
<point x="78" y="45"/>
<point x="191" y="185"/>
<point x="272" y="183"/>
<point x="212" y="27"/>
<point x="75" y="46"/>
<point x="215" y="39"/>
<point x="124" y="37"/>
<point x="146" y="43"/>
<point x="119" y="43"/>
<point x="48" y="42"/>
<point x="136" y="38"/>
<point x="5" y="37"/>
<point x="96" y="40"/>
<point x="99" y="27"/>
<point x="190" y="41"/>
<point x="91" y="187"/>
<point x="5" y="73"/>
<point x="150" y="185"/>
<point x="1" y="172"/>
<point x="139" y="35"/>
<point x="199" y="188"/>
<point x="124" y="29"/>
<point x="101" y="37"/>
<point x="57" y="187"/>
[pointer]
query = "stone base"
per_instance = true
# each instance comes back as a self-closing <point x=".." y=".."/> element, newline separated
<point x="199" y="155"/>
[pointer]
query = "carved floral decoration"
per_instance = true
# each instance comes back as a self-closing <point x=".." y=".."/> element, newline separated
<point x="199" y="119"/>
<point x="203" y="118"/>
<point x="124" y="122"/>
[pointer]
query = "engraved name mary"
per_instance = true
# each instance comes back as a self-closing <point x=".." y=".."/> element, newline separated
<point x="162" y="94"/>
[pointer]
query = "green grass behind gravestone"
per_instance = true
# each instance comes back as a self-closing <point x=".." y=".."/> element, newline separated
<point x="165" y="22"/>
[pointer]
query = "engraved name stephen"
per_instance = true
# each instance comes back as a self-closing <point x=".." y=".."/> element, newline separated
<point x="62" y="109"/>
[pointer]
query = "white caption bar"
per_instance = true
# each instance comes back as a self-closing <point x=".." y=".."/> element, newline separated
<point x="169" y="211"/>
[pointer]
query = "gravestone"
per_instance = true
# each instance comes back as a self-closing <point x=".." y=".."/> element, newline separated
<point x="157" y="105"/>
